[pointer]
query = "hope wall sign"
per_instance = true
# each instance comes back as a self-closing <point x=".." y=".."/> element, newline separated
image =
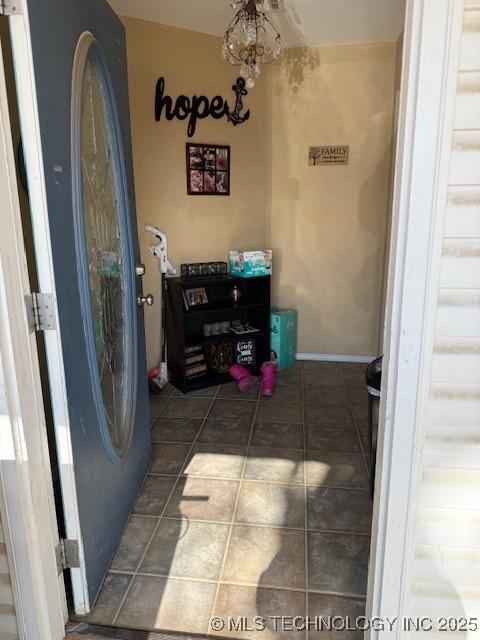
<point x="200" y="107"/>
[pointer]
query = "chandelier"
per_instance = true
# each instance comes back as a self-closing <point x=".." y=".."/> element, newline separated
<point x="251" y="39"/>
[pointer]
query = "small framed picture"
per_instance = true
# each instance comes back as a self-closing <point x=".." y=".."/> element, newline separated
<point x="195" y="297"/>
<point x="208" y="170"/>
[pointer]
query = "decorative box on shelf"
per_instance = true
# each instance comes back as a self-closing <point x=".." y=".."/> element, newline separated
<point x="250" y="264"/>
<point x="212" y="323"/>
<point x="200" y="269"/>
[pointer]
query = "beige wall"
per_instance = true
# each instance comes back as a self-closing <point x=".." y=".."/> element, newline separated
<point x="326" y="225"/>
<point x="198" y="228"/>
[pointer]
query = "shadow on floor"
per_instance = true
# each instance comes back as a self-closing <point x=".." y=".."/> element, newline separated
<point x="253" y="507"/>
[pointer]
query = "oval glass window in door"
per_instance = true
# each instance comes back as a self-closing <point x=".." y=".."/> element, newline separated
<point x="107" y="291"/>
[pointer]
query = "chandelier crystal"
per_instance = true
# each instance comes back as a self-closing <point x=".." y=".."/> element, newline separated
<point x="251" y="39"/>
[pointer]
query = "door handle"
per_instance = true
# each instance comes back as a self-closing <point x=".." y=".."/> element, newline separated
<point x="148" y="300"/>
<point x="140" y="269"/>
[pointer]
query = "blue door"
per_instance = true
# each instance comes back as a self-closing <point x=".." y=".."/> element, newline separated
<point x="79" y="64"/>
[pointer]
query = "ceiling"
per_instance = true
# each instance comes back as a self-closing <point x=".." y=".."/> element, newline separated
<point x="301" y="22"/>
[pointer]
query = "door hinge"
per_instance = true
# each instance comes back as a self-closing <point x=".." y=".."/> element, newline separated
<point x="67" y="555"/>
<point x="40" y="311"/>
<point x="9" y="7"/>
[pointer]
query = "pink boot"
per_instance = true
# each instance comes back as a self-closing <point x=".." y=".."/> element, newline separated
<point x="269" y="378"/>
<point x="244" y="378"/>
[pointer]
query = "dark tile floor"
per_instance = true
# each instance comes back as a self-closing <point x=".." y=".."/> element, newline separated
<point x="253" y="506"/>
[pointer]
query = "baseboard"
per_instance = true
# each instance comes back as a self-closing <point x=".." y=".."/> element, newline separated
<point x="330" y="357"/>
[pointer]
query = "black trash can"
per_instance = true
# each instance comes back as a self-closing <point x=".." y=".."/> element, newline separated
<point x="373" y="378"/>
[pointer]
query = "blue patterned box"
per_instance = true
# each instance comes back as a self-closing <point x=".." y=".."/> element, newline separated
<point x="250" y="264"/>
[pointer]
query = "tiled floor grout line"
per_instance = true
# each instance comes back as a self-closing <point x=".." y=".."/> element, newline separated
<point x="168" y="576"/>
<point x="305" y="490"/>
<point x="232" y="583"/>
<point x="234" y="512"/>
<point x="261" y="481"/>
<point x="255" y="525"/>
<point x="237" y="479"/>
<point x="153" y="419"/>
<point x="258" y="446"/>
<point x="238" y="446"/>
<point x="216" y="397"/>
<point x="255" y="446"/>
<point x="237" y="584"/>
<point x="340" y="594"/>
<point x="364" y="454"/>
<point x="356" y="427"/>
<point x="155" y="529"/>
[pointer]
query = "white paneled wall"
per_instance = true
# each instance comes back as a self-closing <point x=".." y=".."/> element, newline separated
<point x="446" y="573"/>
<point x="8" y="622"/>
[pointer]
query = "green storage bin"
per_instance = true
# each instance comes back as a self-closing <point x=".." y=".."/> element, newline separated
<point x="283" y="338"/>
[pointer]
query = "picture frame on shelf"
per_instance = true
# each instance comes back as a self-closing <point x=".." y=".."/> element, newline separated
<point x="195" y="297"/>
<point x="208" y="169"/>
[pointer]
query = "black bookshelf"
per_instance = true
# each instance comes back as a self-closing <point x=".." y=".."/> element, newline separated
<point x="185" y="329"/>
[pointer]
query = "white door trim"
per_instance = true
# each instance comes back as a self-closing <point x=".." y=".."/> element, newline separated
<point x="29" y="122"/>
<point x="26" y="491"/>
<point x="429" y="80"/>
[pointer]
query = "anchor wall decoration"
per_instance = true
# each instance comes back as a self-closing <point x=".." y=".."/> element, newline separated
<point x="240" y="91"/>
<point x="200" y="107"/>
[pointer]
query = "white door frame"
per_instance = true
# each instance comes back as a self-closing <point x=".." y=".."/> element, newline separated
<point x="429" y="81"/>
<point x="26" y="491"/>
<point x="32" y="144"/>
<point x="431" y="44"/>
